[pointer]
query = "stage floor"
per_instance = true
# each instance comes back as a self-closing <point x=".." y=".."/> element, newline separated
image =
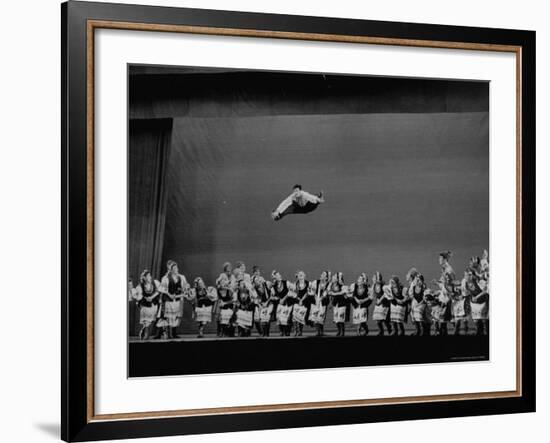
<point x="210" y="355"/>
<point x="276" y="336"/>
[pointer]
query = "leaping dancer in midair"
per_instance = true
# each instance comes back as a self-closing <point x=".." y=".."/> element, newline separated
<point x="299" y="202"/>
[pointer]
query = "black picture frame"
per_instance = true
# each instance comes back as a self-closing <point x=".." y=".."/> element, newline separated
<point x="77" y="419"/>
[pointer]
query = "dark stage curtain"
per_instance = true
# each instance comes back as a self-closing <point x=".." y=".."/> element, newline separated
<point x="149" y="150"/>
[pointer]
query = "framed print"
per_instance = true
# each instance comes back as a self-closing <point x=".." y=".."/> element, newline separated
<point x="340" y="208"/>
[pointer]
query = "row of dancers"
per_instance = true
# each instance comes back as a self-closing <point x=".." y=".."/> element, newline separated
<point x="240" y="302"/>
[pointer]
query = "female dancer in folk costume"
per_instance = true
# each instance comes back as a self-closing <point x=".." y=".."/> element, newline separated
<point x="483" y="279"/>
<point x="478" y="292"/>
<point x="417" y="289"/>
<point x="273" y="302"/>
<point x="322" y="299"/>
<point x="263" y="305"/>
<point x="284" y="298"/>
<point x="245" y="306"/>
<point x="460" y="307"/>
<point x="381" y="312"/>
<point x="398" y="305"/>
<point x="256" y="272"/>
<point x="484" y="264"/>
<point x="304" y="298"/>
<point x="226" y="283"/>
<point x="441" y="304"/>
<point x="132" y="308"/>
<point x="203" y="299"/>
<point x="407" y="293"/>
<point x="289" y="301"/>
<point x="146" y="294"/>
<point x="446" y="268"/>
<point x="130" y="290"/>
<point x="340" y="302"/>
<point x="475" y="265"/>
<point x="274" y="298"/>
<point x="240" y="274"/>
<point x="440" y="300"/>
<point x="174" y="288"/>
<point x="480" y="266"/>
<point x="361" y="301"/>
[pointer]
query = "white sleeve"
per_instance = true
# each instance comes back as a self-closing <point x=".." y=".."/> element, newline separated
<point x="247" y="281"/>
<point x="483" y="285"/>
<point x="183" y="281"/>
<point x="233" y="283"/>
<point x="253" y="295"/>
<point x="156" y="283"/>
<point x="222" y="281"/>
<point x="137" y="293"/>
<point x="212" y="293"/>
<point x="285" y="204"/>
<point x="164" y="285"/>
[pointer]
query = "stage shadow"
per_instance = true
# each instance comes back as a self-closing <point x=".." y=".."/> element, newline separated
<point x="51" y="429"/>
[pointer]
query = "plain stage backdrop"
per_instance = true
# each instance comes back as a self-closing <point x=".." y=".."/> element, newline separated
<point x="30" y="234"/>
<point x="398" y="188"/>
<point x="404" y="165"/>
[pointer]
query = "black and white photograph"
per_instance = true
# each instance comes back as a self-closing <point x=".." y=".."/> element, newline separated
<point x="296" y="220"/>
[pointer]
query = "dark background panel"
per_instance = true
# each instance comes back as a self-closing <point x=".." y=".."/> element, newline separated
<point x="157" y="92"/>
